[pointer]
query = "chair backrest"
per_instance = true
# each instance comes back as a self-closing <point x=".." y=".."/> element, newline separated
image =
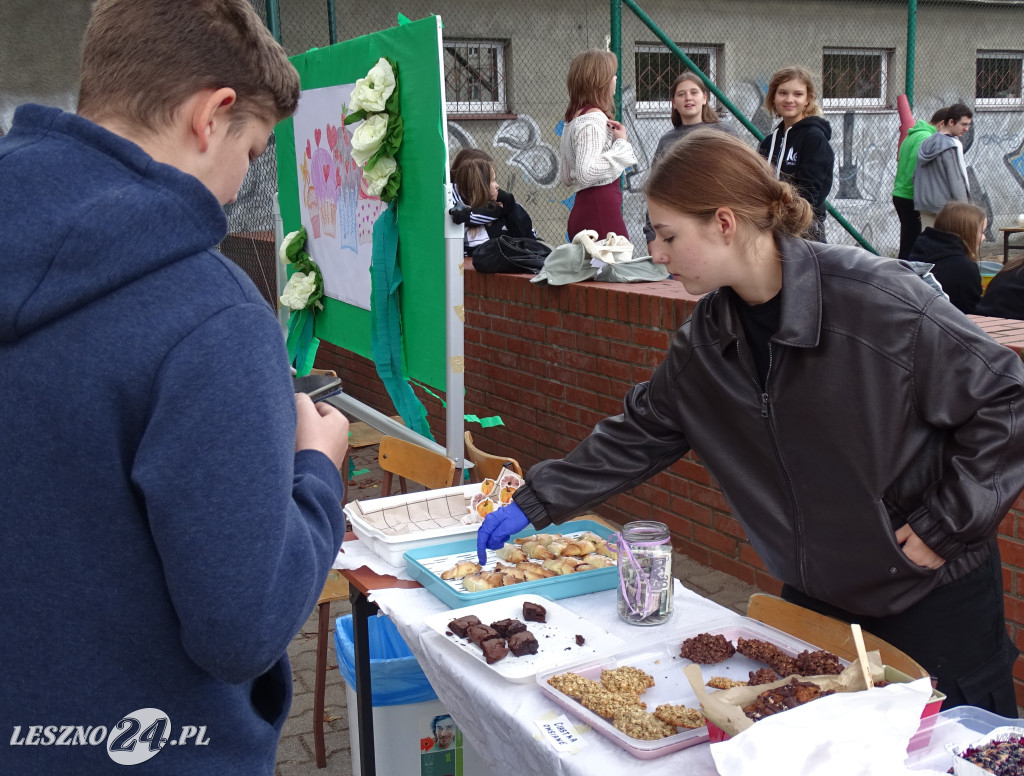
<point x="485" y="465"/>
<point x="826" y="632"/>
<point x="411" y="462"/>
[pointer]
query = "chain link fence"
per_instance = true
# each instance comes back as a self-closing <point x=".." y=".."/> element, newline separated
<point x="505" y="83"/>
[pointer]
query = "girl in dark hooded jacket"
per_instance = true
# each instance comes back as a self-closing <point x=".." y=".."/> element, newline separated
<point x="951" y="246"/>
<point x="798" y="149"/>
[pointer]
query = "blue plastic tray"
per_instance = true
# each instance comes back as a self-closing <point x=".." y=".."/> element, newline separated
<point x="562" y="586"/>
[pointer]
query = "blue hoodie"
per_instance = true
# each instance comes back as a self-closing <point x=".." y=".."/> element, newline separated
<point x="161" y="540"/>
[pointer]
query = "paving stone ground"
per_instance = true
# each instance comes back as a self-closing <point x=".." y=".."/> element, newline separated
<point x="295" y="754"/>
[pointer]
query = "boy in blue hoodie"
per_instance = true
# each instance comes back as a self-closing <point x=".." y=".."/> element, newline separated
<point x="171" y="509"/>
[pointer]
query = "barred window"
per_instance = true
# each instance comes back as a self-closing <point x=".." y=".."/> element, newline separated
<point x="854" y="77"/>
<point x="657" y="68"/>
<point x="998" y="78"/>
<point x="474" y="76"/>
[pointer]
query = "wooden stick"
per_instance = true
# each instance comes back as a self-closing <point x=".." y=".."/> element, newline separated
<point x="862" y="654"/>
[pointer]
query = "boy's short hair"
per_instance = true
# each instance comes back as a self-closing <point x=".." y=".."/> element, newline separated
<point x="141" y="59"/>
<point x="957" y="111"/>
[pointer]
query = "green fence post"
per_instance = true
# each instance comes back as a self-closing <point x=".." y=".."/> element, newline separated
<point x="332" y="23"/>
<point x="274" y="20"/>
<point x="911" y="47"/>
<point x="616" y="47"/>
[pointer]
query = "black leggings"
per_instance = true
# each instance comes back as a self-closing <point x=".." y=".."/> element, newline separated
<point x="957" y="632"/>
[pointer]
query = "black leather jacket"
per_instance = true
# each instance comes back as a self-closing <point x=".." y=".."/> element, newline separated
<point x="884" y="405"/>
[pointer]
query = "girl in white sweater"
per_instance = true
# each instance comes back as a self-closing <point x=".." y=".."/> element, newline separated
<point x="594" y="149"/>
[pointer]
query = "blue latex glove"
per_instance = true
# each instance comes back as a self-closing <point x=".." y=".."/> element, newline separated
<point x="497" y="527"/>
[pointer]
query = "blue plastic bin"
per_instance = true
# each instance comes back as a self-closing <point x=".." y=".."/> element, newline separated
<point x="395" y="677"/>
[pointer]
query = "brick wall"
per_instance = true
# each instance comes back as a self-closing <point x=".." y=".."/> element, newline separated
<point x="554" y="361"/>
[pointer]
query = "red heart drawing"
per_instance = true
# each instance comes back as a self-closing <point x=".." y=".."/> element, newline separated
<point x="316" y="135"/>
<point x="332" y="136"/>
<point x="308" y="152"/>
<point x="337" y="176"/>
<point x="327" y="172"/>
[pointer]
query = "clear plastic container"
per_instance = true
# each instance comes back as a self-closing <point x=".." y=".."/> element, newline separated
<point x="645" y="573"/>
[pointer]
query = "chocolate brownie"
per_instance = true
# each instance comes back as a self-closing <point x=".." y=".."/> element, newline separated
<point x="494" y="649"/>
<point x="522" y="643"/>
<point x="479" y="633"/>
<point x="707" y="649"/>
<point x="461" y="625"/>
<point x="534" y="612"/>
<point x="507" y="627"/>
<point x="818" y="663"/>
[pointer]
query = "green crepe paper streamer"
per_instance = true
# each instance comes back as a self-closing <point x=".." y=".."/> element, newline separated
<point x="490" y="422"/>
<point x="301" y="343"/>
<point x="385" y="323"/>
<point x="494" y="420"/>
<point x="307" y="356"/>
<point x="403" y="19"/>
<point x="353" y="471"/>
<point x="296" y="323"/>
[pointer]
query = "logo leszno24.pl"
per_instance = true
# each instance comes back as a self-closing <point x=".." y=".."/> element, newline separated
<point x="133" y="739"/>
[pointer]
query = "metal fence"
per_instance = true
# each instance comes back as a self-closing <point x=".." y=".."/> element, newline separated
<point x="505" y="69"/>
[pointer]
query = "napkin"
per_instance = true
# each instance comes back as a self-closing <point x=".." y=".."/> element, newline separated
<point x="846" y="734"/>
<point x="355" y="554"/>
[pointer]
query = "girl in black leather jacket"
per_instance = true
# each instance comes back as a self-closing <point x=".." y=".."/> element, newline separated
<point x="866" y="434"/>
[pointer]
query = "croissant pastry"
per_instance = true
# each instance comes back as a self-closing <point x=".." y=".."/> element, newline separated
<point x="511" y="553"/>
<point x="538" y="551"/>
<point x="474" y="583"/>
<point x="460" y="570"/>
<point x="596" y="561"/>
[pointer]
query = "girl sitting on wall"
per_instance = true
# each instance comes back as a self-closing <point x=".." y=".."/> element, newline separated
<point x="951" y="246"/>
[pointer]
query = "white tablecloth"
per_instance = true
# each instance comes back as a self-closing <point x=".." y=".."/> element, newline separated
<point x="498" y="717"/>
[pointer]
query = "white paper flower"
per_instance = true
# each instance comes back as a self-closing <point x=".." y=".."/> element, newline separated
<point x="372" y="92"/>
<point x="368" y="137"/>
<point x="377" y="177"/>
<point x="283" y="251"/>
<point x="298" y="290"/>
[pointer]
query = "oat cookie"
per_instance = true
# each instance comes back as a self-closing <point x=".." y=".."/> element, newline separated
<point x="680" y="716"/>
<point x="627" y="679"/>
<point x="574" y="685"/>
<point x="637" y="723"/>
<point x="608" y="704"/>
<point x="723" y="683"/>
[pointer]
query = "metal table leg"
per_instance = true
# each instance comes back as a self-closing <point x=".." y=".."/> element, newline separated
<point x="362" y="608"/>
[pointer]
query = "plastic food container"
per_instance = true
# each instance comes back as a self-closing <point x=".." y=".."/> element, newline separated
<point x="661" y="660"/>
<point x="424" y="521"/>
<point x="930" y="748"/>
<point x="962" y="767"/>
<point x="425" y="565"/>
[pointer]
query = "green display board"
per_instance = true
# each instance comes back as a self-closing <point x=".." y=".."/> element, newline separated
<point x="415" y="47"/>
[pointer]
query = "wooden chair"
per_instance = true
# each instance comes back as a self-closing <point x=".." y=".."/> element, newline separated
<point x="335" y="589"/>
<point x="826" y="632"/>
<point x="411" y="462"/>
<point x="485" y="465"/>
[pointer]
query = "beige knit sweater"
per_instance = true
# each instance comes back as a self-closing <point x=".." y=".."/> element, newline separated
<point x="590" y="155"/>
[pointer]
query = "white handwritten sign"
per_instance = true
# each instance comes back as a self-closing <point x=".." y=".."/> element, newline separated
<point x="561" y="733"/>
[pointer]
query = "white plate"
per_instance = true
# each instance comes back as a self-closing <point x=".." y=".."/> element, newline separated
<point x="556" y="638"/>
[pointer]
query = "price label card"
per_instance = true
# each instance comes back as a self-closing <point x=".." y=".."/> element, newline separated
<point x="561" y="733"/>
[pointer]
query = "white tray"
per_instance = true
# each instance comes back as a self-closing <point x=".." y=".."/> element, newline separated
<point x="556" y="638"/>
<point x="660" y="659"/>
<point x="392" y="546"/>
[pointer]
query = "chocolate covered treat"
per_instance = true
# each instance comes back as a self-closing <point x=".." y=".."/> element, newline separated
<point x="534" y="612"/>
<point x="480" y="633"/>
<point x="522" y="643"/>
<point x="762" y="676"/>
<point x="817" y="663"/>
<point x="580" y="641"/>
<point x="785" y="697"/>
<point x="494" y="649"/>
<point x="707" y="649"/>
<point x="507" y="627"/>
<point x="767" y="653"/>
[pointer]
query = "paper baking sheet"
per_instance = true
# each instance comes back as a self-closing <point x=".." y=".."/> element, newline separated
<point x="556" y="638"/>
